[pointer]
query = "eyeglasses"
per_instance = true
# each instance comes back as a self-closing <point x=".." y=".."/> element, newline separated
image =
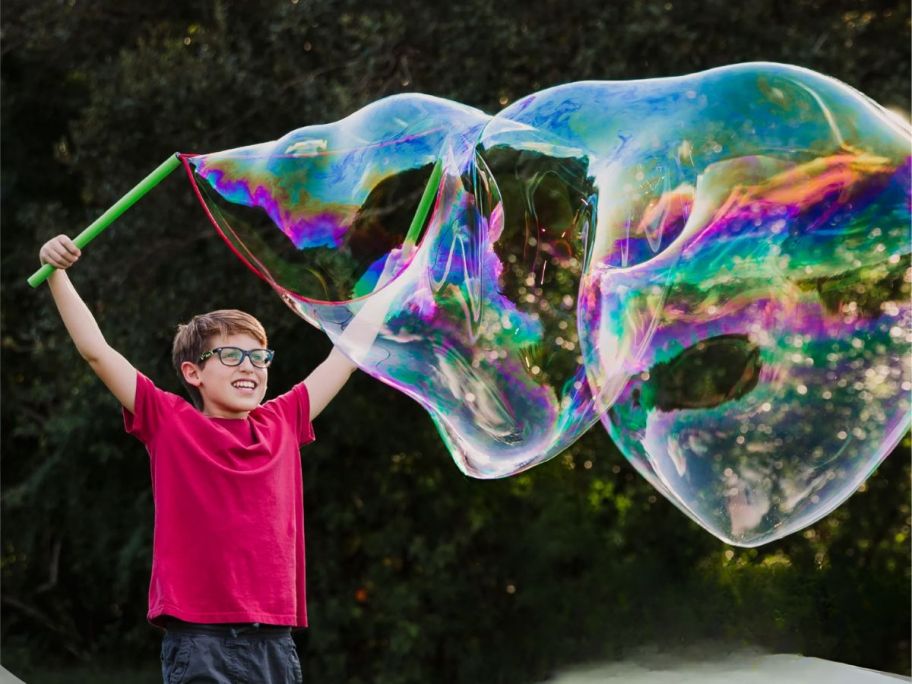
<point x="234" y="356"/>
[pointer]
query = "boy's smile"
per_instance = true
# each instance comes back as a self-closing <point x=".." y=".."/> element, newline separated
<point x="228" y="391"/>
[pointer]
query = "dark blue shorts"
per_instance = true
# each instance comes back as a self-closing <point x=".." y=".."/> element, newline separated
<point x="219" y="654"/>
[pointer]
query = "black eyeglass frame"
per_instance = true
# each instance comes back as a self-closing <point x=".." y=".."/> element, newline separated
<point x="245" y="354"/>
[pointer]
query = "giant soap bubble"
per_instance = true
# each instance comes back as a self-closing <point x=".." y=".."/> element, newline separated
<point x="716" y="266"/>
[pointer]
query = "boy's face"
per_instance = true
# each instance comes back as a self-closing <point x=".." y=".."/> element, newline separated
<point x="228" y="391"/>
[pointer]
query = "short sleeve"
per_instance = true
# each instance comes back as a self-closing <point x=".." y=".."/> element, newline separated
<point x="149" y="405"/>
<point x="294" y="409"/>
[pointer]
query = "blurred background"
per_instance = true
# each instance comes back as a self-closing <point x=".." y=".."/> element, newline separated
<point x="416" y="573"/>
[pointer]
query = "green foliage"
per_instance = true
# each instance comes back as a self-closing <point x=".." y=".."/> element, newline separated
<point x="416" y="573"/>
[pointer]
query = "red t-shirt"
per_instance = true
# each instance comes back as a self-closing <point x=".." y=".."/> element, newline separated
<point x="229" y="508"/>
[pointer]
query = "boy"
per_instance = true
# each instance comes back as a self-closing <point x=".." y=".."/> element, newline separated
<point x="227" y="581"/>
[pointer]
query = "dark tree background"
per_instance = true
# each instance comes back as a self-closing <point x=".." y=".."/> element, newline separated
<point x="416" y="573"/>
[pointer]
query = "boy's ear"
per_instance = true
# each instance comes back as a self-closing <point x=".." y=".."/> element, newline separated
<point x="191" y="373"/>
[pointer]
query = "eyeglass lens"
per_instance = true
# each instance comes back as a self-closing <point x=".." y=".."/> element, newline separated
<point x="233" y="356"/>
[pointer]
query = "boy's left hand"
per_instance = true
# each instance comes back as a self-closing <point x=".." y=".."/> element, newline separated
<point x="396" y="261"/>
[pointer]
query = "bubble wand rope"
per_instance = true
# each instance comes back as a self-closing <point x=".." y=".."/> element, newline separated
<point x="112" y="214"/>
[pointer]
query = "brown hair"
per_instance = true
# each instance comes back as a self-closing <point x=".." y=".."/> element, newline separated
<point x="192" y="339"/>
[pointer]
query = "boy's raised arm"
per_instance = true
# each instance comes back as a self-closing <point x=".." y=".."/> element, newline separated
<point x="115" y="371"/>
<point x="324" y="383"/>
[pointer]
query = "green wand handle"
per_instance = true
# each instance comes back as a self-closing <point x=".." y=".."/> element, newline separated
<point x="424" y="206"/>
<point x="112" y="214"/>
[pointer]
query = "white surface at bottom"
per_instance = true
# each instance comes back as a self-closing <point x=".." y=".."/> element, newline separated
<point x="749" y="668"/>
<point x="7" y="677"/>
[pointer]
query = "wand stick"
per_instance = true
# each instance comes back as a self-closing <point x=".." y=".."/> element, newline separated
<point x="424" y="206"/>
<point x="112" y="214"/>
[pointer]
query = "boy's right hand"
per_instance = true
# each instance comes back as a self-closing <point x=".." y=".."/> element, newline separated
<point x="60" y="252"/>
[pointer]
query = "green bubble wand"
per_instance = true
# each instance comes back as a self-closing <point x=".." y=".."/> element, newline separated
<point x="171" y="163"/>
<point x="424" y="206"/>
<point x="112" y="214"/>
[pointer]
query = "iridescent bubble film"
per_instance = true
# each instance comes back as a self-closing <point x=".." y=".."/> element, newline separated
<point x="716" y="266"/>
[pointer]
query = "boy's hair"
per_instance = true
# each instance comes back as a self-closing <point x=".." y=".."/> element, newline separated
<point x="192" y="339"/>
